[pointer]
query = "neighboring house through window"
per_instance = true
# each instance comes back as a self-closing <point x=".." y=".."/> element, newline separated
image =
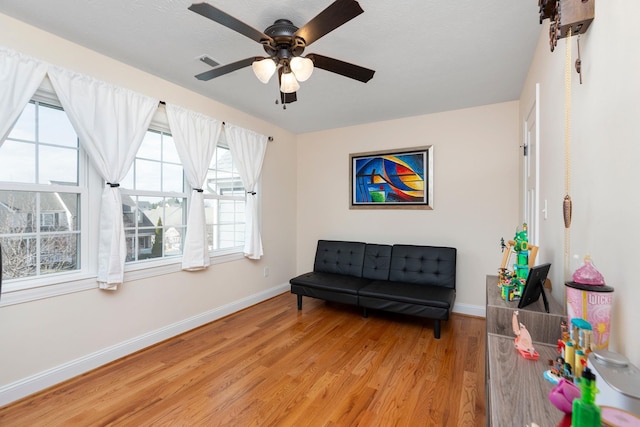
<point x="40" y="194"/>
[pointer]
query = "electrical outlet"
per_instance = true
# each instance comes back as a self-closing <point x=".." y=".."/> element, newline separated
<point x="266" y="272"/>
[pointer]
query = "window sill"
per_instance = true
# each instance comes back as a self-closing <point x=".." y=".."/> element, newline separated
<point x="138" y="271"/>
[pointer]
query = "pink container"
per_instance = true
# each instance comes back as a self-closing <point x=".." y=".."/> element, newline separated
<point x="593" y="304"/>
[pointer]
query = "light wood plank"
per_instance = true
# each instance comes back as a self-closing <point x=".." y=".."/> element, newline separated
<point x="272" y="365"/>
<point x="516" y="379"/>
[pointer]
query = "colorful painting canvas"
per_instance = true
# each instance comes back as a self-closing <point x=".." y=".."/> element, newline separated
<point x="392" y="179"/>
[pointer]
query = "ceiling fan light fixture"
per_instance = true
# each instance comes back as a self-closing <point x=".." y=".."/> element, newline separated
<point x="264" y="69"/>
<point x="288" y="83"/>
<point x="302" y="68"/>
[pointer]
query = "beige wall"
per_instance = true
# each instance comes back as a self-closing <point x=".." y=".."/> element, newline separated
<point x="605" y="150"/>
<point x="71" y="332"/>
<point x="305" y="188"/>
<point x="475" y="162"/>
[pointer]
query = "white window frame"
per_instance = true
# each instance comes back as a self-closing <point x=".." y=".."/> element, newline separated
<point x="31" y="288"/>
<point x="238" y="249"/>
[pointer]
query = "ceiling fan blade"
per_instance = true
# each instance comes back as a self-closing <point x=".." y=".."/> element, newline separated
<point x="229" y="21"/>
<point x="340" y="67"/>
<point x="338" y="13"/>
<point x="225" y="69"/>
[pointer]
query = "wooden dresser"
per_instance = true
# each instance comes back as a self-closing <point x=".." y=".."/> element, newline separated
<point x="517" y="393"/>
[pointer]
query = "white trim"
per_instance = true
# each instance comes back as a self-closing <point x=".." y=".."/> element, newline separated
<point x="34" y="293"/>
<point x="470" y="309"/>
<point x="14" y="293"/>
<point x="42" y="380"/>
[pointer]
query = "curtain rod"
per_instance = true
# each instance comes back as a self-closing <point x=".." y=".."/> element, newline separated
<point x="270" y="138"/>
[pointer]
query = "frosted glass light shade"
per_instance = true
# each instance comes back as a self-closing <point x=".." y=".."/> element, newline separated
<point x="264" y="69"/>
<point x="288" y="83"/>
<point x="302" y="68"/>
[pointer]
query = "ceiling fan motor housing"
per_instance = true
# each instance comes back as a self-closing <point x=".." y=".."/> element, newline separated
<point x="285" y="45"/>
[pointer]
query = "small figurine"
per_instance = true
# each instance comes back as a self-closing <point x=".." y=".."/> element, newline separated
<point x="567" y="372"/>
<point x="523" y="342"/>
<point x="554" y="374"/>
<point x="564" y="331"/>
<point x="561" y="367"/>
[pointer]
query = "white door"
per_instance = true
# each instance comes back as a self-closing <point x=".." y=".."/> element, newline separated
<point x="531" y="170"/>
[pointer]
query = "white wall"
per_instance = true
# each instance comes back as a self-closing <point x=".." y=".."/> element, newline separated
<point x="605" y="150"/>
<point x="48" y="340"/>
<point x="475" y="194"/>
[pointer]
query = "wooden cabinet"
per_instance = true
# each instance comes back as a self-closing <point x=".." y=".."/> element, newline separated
<point x="517" y="393"/>
<point x="544" y="327"/>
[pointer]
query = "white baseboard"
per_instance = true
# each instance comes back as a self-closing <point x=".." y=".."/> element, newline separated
<point x="42" y="380"/>
<point x="471" y="310"/>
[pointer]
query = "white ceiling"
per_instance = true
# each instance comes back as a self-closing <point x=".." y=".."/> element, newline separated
<point x="429" y="55"/>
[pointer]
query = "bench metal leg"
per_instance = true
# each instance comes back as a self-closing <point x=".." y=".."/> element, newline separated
<point x="299" y="301"/>
<point x="364" y="312"/>
<point x="436" y="329"/>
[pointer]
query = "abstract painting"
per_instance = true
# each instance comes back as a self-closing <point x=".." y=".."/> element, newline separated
<point x="392" y="179"/>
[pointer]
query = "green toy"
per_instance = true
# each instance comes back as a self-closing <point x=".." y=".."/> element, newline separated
<point x="585" y="412"/>
<point x="521" y="248"/>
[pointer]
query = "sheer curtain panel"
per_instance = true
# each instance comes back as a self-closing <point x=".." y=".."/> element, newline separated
<point x="20" y="76"/>
<point x="248" y="149"/>
<point x="195" y="136"/>
<point x="111" y="123"/>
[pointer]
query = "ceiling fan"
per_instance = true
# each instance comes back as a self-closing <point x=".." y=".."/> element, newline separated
<point x="284" y="44"/>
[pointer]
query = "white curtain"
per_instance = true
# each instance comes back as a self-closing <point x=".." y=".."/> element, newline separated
<point x="111" y="123"/>
<point x="20" y="76"/>
<point x="195" y="136"/>
<point x="248" y="149"/>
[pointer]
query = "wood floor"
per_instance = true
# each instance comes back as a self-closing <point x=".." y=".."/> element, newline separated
<point x="272" y="365"/>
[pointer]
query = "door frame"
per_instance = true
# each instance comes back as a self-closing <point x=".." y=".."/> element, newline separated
<point x="531" y="159"/>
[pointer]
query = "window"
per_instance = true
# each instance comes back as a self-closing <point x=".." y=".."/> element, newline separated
<point x="154" y="200"/>
<point x="225" y="198"/>
<point x="40" y="195"/>
<point x="50" y="198"/>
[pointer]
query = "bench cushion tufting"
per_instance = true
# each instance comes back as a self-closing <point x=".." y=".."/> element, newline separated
<point x="377" y="259"/>
<point x="428" y="265"/>
<point x="339" y="257"/>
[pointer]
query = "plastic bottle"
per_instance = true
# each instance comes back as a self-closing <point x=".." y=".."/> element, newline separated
<point x="585" y="412"/>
